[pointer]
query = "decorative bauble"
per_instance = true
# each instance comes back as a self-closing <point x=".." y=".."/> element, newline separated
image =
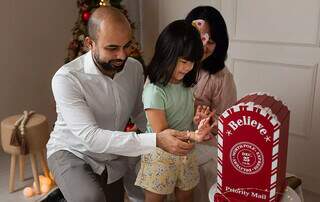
<point x="81" y="37"/>
<point x="129" y="127"/>
<point x="45" y="180"/>
<point x="28" y="192"/>
<point x="85" y="16"/>
<point x="44" y="188"/>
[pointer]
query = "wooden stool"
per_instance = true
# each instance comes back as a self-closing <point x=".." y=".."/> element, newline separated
<point x="37" y="136"/>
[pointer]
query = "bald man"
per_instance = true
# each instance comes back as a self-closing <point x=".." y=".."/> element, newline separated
<point x="95" y="95"/>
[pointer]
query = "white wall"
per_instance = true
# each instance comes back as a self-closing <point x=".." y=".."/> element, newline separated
<point x="34" y="36"/>
<point x="178" y="9"/>
<point x="156" y="14"/>
<point x="133" y="8"/>
<point x="149" y="16"/>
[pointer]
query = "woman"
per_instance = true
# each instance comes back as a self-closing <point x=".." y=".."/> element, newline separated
<point x="215" y="88"/>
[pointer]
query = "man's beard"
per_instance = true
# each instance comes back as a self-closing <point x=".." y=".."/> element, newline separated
<point x="111" y="65"/>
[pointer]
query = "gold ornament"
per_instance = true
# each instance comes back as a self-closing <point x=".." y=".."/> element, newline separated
<point x="104" y="3"/>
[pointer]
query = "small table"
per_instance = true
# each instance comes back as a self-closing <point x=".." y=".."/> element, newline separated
<point x="289" y="195"/>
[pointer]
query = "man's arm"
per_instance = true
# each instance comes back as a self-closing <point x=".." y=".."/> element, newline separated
<point x="82" y="123"/>
<point x="172" y="143"/>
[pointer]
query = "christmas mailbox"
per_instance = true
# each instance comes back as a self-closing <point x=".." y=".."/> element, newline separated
<point x="252" y="150"/>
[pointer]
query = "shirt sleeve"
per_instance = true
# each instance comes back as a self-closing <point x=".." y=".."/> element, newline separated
<point x="153" y="97"/>
<point x="81" y="122"/>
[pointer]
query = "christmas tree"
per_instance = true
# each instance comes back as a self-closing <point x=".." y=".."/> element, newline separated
<point x="79" y="31"/>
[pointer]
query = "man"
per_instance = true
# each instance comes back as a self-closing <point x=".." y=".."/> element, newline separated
<point x="95" y="95"/>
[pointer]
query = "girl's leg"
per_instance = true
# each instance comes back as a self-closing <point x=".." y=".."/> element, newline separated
<point x="184" y="196"/>
<point x="153" y="197"/>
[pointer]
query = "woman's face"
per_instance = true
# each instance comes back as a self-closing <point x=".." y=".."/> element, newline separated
<point x="210" y="45"/>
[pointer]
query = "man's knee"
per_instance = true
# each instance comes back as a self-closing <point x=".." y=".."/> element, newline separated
<point x="75" y="178"/>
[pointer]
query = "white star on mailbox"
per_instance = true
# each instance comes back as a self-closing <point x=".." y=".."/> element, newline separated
<point x="267" y="139"/>
<point x="229" y="132"/>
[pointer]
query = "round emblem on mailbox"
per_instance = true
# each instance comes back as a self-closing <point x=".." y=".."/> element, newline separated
<point x="246" y="158"/>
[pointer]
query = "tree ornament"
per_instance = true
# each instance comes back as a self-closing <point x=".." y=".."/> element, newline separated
<point x="85" y="16"/>
<point x="104" y="3"/>
<point x="28" y="192"/>
<point x="129" y="126"/>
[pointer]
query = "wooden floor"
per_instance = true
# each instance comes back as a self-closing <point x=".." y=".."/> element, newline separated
<point x="17" y="196"/>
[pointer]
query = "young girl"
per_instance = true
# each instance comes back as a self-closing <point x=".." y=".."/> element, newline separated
<point x="215" y="85"/>
<point x="168" y="103"/>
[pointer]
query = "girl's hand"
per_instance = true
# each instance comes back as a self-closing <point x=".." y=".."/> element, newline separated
<point x="204" y="130"/>
<point x="202" y="112"/>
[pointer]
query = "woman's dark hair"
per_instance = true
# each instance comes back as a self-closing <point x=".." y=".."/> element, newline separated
<point x="218" y="33"/>
<point x="178" y="40"/>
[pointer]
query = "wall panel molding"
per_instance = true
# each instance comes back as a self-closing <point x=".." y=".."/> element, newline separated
<point x="308" y="107"/>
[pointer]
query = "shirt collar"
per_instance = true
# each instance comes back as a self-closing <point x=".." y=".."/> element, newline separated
<point x="89" y="66"/>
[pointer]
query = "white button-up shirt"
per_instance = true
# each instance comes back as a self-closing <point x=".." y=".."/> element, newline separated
<point x="92" y="111"/>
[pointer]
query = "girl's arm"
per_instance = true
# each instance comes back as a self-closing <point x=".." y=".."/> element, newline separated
<point x="158" y="122"/>
<point x="157" y="119"/>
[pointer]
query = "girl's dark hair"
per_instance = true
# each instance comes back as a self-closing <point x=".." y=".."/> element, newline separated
<point x="178" y="40"/>
<point x="219" y="34"/>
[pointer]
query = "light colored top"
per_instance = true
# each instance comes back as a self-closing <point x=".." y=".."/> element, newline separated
<point x="92" y="111"/>
<point x="177" y="102"/>
<point x="218" y="91"/>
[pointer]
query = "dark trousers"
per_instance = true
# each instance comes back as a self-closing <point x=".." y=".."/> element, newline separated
<point x="78" y="182"/>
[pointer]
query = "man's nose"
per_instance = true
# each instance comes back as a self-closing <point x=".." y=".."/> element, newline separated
<point x="122" y="54"/>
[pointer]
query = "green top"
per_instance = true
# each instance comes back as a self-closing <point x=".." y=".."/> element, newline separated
<point x="176" y="100"/>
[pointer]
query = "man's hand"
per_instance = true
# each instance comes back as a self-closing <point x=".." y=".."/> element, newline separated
<point x="173" y="141"/>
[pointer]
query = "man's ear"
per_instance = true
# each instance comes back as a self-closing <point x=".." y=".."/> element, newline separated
<point x="89" y="43"/>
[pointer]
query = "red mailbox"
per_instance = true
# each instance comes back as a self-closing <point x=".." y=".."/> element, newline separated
<point x="252" y="150"/>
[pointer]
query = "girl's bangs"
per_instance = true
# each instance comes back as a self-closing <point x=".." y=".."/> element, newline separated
<point x="192" y="51"/>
